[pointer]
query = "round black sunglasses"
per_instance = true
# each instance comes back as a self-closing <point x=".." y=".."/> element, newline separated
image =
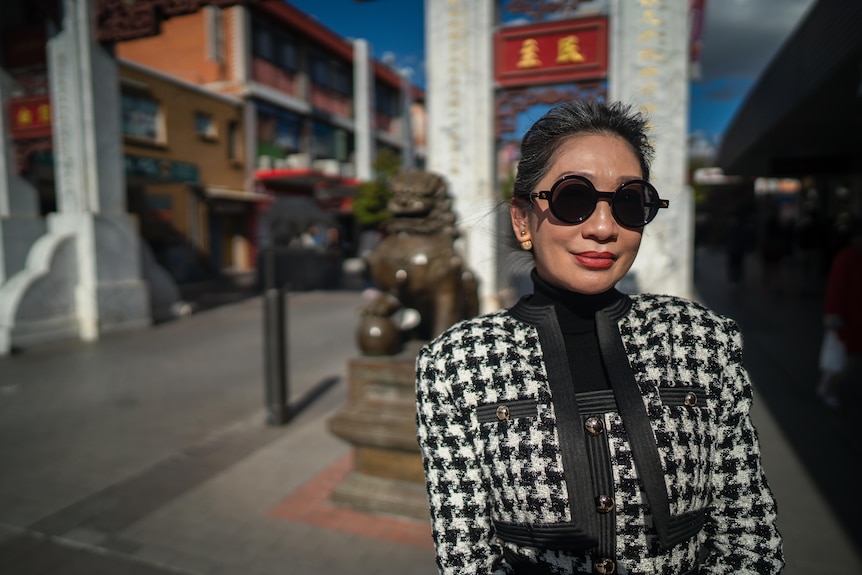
<point x="573" y="199"/>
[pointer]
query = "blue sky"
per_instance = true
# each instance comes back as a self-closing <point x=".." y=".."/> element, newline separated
<point x="739" y="39"/>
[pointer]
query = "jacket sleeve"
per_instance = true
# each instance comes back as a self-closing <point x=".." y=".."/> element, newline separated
<point x="742" y="536"/>
<point x="460" y="510"/>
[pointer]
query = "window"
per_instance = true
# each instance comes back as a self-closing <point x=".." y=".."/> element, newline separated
<point x="233" y="141"/>
<point x="287" y="54"/>
<point x="343" y="78"/>
<point x="330" y="73"/>
<point x="279" y="131"/>
<point x="205" y="126"/>
<point x="387" y="100"/>
<point x="263" y="43"/>
<point x="215" y="34"/>
<point x="330" y="142"/>
<point x="141" y="117"/>
<point x="275" y="46"/>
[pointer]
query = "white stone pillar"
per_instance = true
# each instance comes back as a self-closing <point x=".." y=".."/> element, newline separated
<point x="90" y="179"/>
<point x="363" y="108"/>
<point x="20" y="222"/>
<point x="459" y="50"/>
<point x="649" y="68"/>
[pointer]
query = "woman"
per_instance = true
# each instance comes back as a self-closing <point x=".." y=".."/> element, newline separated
<point x="584" y="430"/>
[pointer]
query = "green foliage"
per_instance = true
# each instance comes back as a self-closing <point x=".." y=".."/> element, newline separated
<point x="369" y="206"/>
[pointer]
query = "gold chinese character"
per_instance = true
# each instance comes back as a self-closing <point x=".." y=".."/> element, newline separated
<point x="649" y="54"/>
<point x="651" y="71"/>
<point x="568" y="51"/>
<point x="646" y="3"/>
<point x="529" y="54"/>
<point x="43" y="112"/>
<point x="649" y="17"/>
<point x="647" y="35"/>
<point x="25" y="117"/>
<point x="648" y="89"/>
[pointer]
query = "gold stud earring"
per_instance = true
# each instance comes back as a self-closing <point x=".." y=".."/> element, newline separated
<point x="526" y="245"/>
<point x="523" y="233"/>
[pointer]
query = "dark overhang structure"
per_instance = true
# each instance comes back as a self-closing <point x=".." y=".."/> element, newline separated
<point x="804" y="115"/>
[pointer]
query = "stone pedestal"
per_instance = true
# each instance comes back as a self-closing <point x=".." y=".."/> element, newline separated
<point x="379" y="419"/>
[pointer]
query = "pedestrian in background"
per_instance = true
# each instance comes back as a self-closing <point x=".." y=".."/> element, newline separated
<point x="584" y="430"/>
<point x="843" y="321"/>
<point x="739" y="240"/>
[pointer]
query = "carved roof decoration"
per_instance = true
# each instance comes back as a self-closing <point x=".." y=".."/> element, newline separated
<point x="118" y="20"/>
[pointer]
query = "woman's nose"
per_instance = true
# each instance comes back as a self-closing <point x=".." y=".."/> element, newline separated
<point x="601" y="223"/>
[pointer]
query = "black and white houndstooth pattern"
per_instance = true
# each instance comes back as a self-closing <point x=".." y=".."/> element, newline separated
<point x="481" y="469"/>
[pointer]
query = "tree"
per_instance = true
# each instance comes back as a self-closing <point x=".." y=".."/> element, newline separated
<point x="369" y="206"/>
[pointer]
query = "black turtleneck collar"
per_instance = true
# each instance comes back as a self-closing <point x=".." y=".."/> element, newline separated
<point x="576" y="312"/>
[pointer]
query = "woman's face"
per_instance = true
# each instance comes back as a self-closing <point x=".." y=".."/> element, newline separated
<point x="590" y="257"/>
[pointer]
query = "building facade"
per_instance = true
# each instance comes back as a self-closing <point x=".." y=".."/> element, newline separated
<point x="185" y="173"/>
<point x="179" y="123"/>
<point x="317" y="107"/>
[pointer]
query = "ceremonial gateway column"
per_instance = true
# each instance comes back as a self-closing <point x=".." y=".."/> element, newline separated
<point x="460" y="143"/>
<point x="90" y="177"/>
<point x="650" y="69"/>
<point x="83" y="277"/>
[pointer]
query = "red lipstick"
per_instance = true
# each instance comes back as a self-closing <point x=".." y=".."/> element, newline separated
<point x="595" y="260"/>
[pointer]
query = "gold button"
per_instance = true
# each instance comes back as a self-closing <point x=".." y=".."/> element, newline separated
<point x="502" y="413"/>
<point x="690" y="399"/>
<point x="604" y="503"/>
<point x="605" y="565"/>
<point x="594" y="425"/>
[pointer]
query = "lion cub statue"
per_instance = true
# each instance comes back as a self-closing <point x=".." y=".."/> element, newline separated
<point x="416" y="267"/>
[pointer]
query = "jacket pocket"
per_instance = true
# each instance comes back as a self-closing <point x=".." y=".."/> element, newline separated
<point x="685" y="396"/>
<point x="506" y="410"/>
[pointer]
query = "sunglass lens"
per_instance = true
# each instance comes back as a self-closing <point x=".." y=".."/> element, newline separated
<point x="573" y="202"/>
<point x="633" y="204"/>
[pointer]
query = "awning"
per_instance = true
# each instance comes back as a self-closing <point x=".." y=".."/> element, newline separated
<point x="303" y="178"/>
<point x="236" y="195"/>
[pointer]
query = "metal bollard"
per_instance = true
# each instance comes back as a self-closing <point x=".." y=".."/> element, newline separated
<point x="275" y="344"/>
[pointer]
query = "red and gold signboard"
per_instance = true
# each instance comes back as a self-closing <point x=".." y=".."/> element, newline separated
<point x="552" y="52"/>
<point x="30" y="117"/>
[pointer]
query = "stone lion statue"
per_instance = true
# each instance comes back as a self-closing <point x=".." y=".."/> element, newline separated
<point x="416" y="267"/>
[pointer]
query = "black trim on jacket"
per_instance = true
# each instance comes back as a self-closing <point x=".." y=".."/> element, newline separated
<point x="588" y="529"/>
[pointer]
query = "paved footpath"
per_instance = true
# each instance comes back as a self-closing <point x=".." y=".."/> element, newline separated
<point x="147" y="453"/>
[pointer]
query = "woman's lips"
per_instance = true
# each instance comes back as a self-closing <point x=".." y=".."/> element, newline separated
<point x="595" y="260"/>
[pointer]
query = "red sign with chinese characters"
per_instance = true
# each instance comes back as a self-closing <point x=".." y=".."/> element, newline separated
<point x="552" y="52"/>
<point x="30" y="117"/>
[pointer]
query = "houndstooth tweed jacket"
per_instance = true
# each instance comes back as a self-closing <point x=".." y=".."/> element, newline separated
<point x="661" y="475"/>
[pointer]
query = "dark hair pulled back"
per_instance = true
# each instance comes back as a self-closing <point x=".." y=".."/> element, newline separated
<point x="576" y="118"/>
